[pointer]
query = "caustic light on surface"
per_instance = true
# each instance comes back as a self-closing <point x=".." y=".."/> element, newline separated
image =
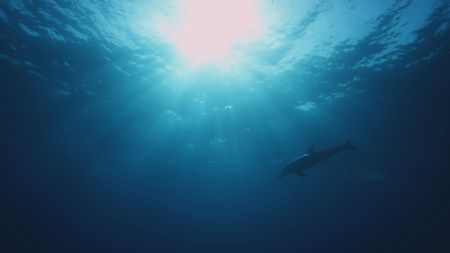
<point x="209" y="31"/>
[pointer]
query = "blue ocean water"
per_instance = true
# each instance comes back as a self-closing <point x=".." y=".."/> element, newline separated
<point x="162" y="126"/>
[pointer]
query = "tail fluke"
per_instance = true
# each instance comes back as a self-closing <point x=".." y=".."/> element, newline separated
<point x="349" y="145"/>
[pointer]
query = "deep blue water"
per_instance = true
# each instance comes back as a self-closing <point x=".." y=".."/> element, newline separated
<point x="111" y="141"/>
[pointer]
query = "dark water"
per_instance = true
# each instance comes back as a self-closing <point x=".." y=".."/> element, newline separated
<point x="109" y="143"/>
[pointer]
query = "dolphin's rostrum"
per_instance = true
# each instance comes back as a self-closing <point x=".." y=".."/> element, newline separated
<point x="300" y="164"/>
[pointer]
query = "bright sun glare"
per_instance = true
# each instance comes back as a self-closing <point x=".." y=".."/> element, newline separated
<point x="212" y="31"/>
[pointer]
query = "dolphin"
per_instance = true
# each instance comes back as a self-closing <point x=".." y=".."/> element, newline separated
<point x="311" y="158"/>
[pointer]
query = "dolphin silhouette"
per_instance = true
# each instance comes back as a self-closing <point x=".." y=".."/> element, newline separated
<point x="301" y="163"/>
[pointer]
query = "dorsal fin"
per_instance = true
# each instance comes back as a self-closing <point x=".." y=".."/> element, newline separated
<point x="312" y="150"/>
